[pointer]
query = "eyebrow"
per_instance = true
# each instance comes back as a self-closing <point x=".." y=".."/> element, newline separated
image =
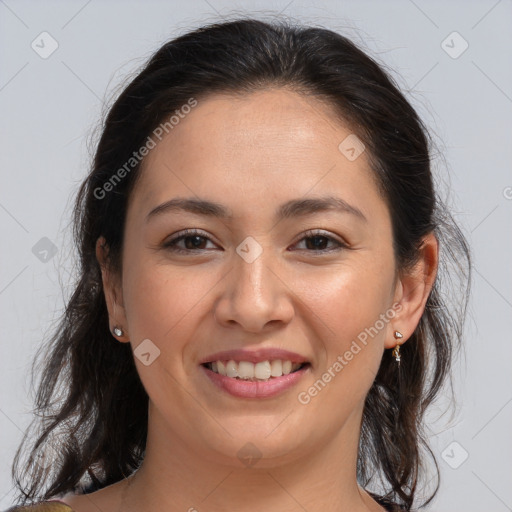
<point x="292" y="208"/>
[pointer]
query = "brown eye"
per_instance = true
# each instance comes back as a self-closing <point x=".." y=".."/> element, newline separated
<point x="194" y="242"/>
<point x="317" y="242"/>
<point x="320" y="242"/>
<point x="188" y="241"/>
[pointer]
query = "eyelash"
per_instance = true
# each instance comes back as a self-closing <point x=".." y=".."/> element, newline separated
<point x="171" y="245"/>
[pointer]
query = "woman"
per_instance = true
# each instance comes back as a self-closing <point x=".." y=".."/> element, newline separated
<point x="259" y="322"/>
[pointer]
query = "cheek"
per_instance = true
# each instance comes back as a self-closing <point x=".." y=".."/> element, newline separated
<point x="347" y="298"/>
<point x="166" y="304"/>
<point x="348" y="309"/>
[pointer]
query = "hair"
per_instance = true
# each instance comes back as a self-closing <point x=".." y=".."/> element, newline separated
<point x="91" y="405"/>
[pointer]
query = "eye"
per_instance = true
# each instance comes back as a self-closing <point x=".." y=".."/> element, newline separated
<point x="193" y="240"/>
<point x="318" y="241"/>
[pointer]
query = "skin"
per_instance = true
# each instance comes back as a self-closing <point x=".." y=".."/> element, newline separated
<point x="252" y="154"/>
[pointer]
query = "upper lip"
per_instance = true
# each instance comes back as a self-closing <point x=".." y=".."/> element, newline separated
<point x="255" y="356"/>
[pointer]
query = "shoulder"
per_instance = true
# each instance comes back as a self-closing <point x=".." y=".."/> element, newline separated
<point x="106" y="499"/>
<point x="43" y="506"/>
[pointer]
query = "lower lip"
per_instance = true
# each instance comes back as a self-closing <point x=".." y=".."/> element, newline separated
<point x="257" y="389"/>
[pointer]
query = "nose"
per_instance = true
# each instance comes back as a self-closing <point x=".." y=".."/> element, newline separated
<point x="255" y="296"/>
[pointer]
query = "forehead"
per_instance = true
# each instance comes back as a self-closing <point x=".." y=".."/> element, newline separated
<point x="267" y="120"/>
<point x="259" y="146"/>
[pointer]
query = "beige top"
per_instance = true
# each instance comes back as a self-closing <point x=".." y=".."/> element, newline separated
<point x="59" y="506"/>
<point x="44" y="506"/>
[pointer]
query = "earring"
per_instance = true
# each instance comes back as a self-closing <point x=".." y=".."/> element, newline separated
<point x="118" y="331"/>
<point x="396" y="351"/>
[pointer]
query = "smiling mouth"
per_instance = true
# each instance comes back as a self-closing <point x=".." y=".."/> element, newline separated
<point x="262" y="371"/>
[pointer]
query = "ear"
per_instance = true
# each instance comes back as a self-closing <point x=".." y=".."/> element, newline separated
<point x="412" y="290"/>
<point x="113" y="292"/>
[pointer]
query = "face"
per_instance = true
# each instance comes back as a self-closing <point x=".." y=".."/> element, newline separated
<point x="278" y="270"/>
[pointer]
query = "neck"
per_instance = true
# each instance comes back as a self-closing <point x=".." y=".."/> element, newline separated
<point x="175" y="476"/>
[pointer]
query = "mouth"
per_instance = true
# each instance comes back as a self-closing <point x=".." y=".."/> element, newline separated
<point x="262" y="371"/>
<point x="259" y="380"/>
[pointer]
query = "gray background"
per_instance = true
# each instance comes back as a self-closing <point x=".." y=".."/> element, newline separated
<point x="50" y="107"/>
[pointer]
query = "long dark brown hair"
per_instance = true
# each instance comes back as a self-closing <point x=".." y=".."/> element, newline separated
<point x="91" y="407"/>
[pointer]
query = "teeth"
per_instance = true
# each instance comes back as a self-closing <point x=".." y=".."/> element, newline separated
<point x="221" y="367"/>
<point x="232" y="369"/>
<point x="262" y="370"/>
<point x="246" y="370"/>
<point x="276" y="368"/>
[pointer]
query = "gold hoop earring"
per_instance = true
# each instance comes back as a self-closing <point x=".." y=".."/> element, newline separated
<point x="396" y="351"/>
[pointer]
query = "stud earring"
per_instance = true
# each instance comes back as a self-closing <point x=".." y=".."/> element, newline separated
<point x="118" y="331"/>
<point x="396" y="351"/>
